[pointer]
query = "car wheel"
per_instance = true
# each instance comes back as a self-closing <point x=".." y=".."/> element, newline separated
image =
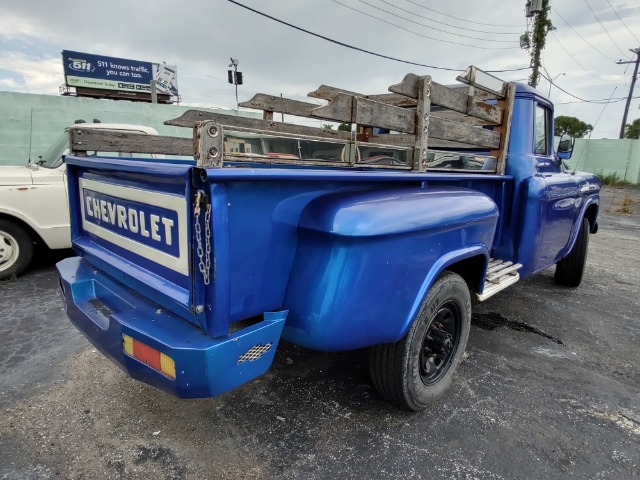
<point x="417" y="370"/>
<point x="16" y="249"/>
<point x="569" y="270"/>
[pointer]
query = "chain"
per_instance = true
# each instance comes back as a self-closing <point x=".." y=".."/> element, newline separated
<point x="204" y="262"/>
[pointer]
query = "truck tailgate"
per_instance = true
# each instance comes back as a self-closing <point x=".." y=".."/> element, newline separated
<point x="130" y="219"/>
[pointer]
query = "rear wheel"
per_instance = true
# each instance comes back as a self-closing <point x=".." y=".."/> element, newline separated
<point x="16" y="249"/>
<point x="569" y="270"/>
<point x="417" y="370"/>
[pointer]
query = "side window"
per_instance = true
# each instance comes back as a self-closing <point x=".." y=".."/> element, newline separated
<point x="543" y="122"/>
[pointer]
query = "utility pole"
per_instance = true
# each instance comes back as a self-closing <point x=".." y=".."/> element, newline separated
<point x="541" y="26"/>
<point x="634" y="77"/>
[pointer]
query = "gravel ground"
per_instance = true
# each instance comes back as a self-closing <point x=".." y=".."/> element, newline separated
<point x="550" y="388"/>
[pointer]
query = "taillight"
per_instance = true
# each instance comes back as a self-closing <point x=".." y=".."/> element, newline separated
<point x="150" y="356"/>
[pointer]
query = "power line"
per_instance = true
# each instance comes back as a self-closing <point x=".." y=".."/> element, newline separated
<point x="625" y="25"/>
<point x="574" y="59"/>
<point x="362" y="49"/>
<point x="603" y="27"/>
<point x="604" y="101"/>
<point x="462" y="19"/>
<point x="420" y="34"/>
<point x="423" y="25"/>
<point x="443" y="23"/>
<point x="582" y="100"/>
<point x="583" y="39"/>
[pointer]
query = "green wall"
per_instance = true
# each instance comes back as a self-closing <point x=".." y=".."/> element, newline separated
<point x="604" y="156"/>
<point x="40" y="119"/>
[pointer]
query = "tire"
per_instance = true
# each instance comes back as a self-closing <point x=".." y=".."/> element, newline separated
<point x="16" y="249"/>
<point x="418" y="369"/>
<point x="569" y="270"/>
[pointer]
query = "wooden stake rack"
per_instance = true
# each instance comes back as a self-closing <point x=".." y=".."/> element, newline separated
<point x="428" y="121"/>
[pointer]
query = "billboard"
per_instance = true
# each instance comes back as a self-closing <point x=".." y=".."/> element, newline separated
<point x="88" y="71"/>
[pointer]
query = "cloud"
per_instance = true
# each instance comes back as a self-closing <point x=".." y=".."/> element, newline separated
<point x="30" y="74"/>
<point x="199" y="36"/>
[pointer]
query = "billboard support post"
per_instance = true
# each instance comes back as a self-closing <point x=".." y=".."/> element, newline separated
<point x="154" y="92"/>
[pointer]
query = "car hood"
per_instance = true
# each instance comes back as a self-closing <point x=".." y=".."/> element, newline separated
<point x="15" y="175"/>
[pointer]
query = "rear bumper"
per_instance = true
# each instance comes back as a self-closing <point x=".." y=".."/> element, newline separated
<point x="104" y="310"/>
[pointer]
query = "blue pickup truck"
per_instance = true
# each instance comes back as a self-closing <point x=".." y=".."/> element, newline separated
<point x="188" y="274"/>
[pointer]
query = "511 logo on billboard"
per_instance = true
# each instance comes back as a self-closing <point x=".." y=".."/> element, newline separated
<point x="81" y="65"/>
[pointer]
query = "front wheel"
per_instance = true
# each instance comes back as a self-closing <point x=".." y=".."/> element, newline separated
<point x="417" y="370"/>
<point x="569" y="270"/>
<point x="16" y="249"/>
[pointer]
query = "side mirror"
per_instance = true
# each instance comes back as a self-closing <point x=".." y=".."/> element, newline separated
<point x="565" y="146"/>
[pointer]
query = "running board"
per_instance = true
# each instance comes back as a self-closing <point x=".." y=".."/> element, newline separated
<point x="500" y="275"/>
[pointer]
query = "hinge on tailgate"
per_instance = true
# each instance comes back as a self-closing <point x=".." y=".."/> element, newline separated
<point x="204" y="253"/>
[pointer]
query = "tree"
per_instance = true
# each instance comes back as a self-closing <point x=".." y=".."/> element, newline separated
<point x="572" y="126"/>
<point x="632" y="130"/>
<point x="344" y="127"/>
<point x="327" y="126"/>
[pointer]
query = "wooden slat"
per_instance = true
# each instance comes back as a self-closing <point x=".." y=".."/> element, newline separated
<point x="262" y="101"/>
<point x="326" y="92"/>
<point x="367" y="113"/>
<point x="458" y="117"/>
<point x="450" y="98"/>
<point x="459" y="132"/>
<point x="83" y="140"/>
<point x="505" y="129"/>
<point x="190" y="118"/>
<point x="399" y="119"/>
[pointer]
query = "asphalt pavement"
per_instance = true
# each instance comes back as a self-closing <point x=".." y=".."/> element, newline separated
<point x="549" y="388"/>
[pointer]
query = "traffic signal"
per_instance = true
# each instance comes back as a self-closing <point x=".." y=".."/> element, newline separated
<point x="238" y="78"/>
<point x="230" y="76"/>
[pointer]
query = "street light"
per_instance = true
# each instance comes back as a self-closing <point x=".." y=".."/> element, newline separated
<point x="551" y="83"/>
<point x="234" y="63"/>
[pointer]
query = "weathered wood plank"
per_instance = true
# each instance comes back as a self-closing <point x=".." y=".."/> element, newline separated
<point x="399" y="119"/>
<point x="459" y="132"/>
<point x="190" y="118"/>
<point x="458" y="117"/>
<point x="270" y="103"/>
<point x="422" y="124"/>
<point x="346" y="108"/>
<point x="450" y="98"/>
<point x="83" y="140"/>
<point x="505" y="129"/>
<point x="340" y="109"/>
<point x="376" y="114"/>
<point x="326" y="92"/>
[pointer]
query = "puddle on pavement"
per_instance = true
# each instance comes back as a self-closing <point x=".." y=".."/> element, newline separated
<point x="491" y="321"/>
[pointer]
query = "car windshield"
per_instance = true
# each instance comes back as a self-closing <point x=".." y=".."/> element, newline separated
<point x="52" y="158"/>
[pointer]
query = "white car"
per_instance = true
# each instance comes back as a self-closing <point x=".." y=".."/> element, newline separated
<point x="34" y="206"/>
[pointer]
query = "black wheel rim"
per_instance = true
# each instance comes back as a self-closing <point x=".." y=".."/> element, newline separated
<point x="440" y="343"/>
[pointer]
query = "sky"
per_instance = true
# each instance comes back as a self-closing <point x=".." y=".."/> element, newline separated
<point x="199" y="36"/>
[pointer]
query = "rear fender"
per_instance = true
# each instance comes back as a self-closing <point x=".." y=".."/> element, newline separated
<point x="366" y="260"/>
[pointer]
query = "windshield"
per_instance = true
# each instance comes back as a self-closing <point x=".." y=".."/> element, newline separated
<point x="52" y="158"/>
